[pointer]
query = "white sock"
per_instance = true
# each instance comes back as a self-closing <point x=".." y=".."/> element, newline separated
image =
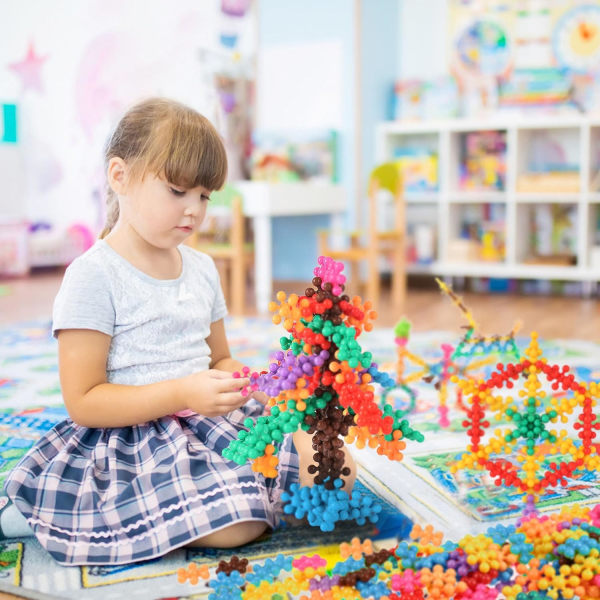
<point x="13" y="523"/>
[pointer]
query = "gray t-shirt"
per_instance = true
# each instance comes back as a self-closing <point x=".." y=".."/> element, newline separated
<point x="158" y="326"/>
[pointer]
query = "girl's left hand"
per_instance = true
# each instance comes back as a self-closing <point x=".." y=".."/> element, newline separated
<point x="260" y="396"/>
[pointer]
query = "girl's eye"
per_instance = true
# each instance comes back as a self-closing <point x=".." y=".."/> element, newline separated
<point x="178" y="193"/>
<point x="205" y="198"/>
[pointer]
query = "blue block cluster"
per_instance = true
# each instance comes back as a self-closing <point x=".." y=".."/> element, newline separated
<point x="374" y="590"/>
<point x="582" y="546"/>
<point x="381" y="377"/>
<point x="270" y="570"/>
<point x="324" y="508"/>
<point x="227" y="586"/>
<point x="348" y="566"/>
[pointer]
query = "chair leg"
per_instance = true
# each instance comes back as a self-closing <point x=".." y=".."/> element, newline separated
<point x="237" y="262"/>
<point x="237" y="285"/>
<point x="399" y="281"/>
<point x="373" y="247"/>
<point x="354" y="285"/>
<point x="322" y="243"/>
<point x="373" y="276"/>
<point x="223" y="269"/>
<point x="373" y="285"/>
<point x="355" y="278"/>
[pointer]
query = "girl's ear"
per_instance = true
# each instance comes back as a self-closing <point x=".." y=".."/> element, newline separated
<point x="116" y="174"/>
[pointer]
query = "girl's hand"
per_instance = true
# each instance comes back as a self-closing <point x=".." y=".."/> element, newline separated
<point x="213" y="393"/>
<point x="260" y="396"/>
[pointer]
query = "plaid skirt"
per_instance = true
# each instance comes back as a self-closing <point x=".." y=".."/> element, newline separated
<point x="113" y="496"/>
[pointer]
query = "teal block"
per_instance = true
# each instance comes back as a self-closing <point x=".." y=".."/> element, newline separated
<point x="9" y="119"/>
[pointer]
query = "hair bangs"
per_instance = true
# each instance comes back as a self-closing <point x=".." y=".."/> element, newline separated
<point x="188" y="152"/>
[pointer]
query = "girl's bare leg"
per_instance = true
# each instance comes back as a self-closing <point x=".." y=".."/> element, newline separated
<point x="242" y="533"/>
<point x="237" y="534"/>
<point x="303" y="443"/>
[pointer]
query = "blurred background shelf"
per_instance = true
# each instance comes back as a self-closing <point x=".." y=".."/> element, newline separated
<point x="519" y="199"/>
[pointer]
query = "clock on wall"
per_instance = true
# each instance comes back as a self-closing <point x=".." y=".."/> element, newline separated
<point x="576" y="39"/>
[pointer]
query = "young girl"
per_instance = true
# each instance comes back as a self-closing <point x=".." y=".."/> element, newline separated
<point x="146" y="372"/>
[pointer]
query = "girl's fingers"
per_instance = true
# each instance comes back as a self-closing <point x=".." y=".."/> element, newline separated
<point x="231" y="400"/>
<point x="218" y="374"/>
<point x="260" y="396"/>
<point x="233" y="385"/>
<point x="228" y="383"/>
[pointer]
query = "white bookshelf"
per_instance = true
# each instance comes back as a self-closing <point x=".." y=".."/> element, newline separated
<point x="579" y="139"/>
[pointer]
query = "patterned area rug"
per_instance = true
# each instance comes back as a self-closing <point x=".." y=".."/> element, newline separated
<point x="31" y="403"/>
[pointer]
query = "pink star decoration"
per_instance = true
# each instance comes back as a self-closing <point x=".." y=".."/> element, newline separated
<point x="29" y="70"/>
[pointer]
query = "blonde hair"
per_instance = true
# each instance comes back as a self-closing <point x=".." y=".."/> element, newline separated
<point x="168" y="139"/>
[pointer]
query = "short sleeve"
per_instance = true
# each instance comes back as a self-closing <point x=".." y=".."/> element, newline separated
<point x="219" y="309"/>
<point x="84" y="300"/>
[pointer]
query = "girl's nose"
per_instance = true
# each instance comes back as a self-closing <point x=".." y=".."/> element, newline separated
<point x="192" y="209"/>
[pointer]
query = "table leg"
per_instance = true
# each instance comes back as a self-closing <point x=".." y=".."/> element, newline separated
<point x="263" y="262"/>
<point x="337" y="223"/>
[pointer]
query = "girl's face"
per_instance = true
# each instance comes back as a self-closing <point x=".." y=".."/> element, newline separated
<point x="162" y="213"/>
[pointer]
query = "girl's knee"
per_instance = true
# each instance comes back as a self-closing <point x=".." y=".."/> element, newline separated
<point x="232" y="536"/>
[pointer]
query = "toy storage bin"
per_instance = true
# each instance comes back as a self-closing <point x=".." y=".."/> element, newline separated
<point x="14" y="254"/>
<point x="50" y="247"/>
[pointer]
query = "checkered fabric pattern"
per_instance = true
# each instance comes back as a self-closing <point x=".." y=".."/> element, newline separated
<point x="99" y="496"/>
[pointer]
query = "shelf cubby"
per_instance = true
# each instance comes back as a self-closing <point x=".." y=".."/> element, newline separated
<point x="422" y="226"/>
<point x="548" y="160"/>
<point x="477" y="232"/>
<point x="546" y="234"/>
<point x="418" y="159"/>
<point x="594" y="178"/>
<point x="479" y="163"/>
<point x="593" y="257"/>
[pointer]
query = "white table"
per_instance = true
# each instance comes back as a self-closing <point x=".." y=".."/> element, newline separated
<point x="264" y="200"/>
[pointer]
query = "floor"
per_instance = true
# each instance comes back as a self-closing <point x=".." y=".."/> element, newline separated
<point x="426" y="308"/>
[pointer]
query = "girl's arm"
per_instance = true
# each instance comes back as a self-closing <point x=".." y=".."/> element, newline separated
<point x="221" y="355"/>
<point x="219" y="349"/>
<point x="93" y="402"/>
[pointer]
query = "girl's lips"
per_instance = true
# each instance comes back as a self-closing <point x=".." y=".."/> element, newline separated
<point x="186" y="229"/>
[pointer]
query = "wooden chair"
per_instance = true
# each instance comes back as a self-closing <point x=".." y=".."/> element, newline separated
<point x="223" y="237"/>
<point x="367" y="247"/>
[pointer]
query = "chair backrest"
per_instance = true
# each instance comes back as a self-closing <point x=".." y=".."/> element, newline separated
<point x="225" y="197"/>
<point x="225" y="218"/>
<point x="386" y="177"/>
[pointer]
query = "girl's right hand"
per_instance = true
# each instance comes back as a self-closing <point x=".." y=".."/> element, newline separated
<point x="213" y="393"/>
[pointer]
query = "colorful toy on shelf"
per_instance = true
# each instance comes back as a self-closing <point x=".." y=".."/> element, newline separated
<point x="294" y="155"/>
<point x="481" y="233"/>
<point x="535" y="87"/>
<point x="322" y="381"/>
<point x="419" y="170"/>
<point x="483" y="161"/>
<point x="420" y="99"/>
<point x="489" y="247"/>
